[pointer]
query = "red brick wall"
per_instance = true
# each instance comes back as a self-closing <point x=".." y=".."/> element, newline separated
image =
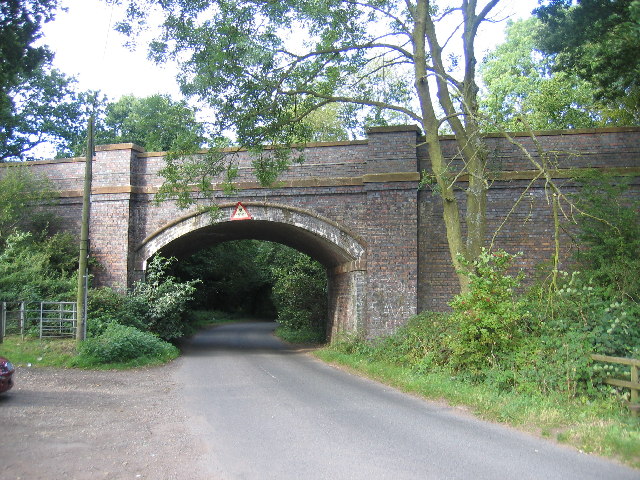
<point x="369" y="188"/>
<point x="529" y="228"/>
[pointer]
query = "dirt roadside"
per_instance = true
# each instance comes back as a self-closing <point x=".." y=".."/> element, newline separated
<point x="76" y="424"/>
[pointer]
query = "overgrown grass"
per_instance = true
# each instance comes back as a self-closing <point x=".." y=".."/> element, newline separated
<point x="602" y="427"/>
<point x="300" y="335"/>
<point x="138" y="362"/>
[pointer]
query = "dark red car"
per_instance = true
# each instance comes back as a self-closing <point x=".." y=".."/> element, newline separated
<point x="6" y="374"/>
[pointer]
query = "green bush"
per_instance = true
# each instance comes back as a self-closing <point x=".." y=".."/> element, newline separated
<point x="35" y="268"/>
<point x="160" y="302"/>
<point x="423" y="343"/>
<point x="157" y="305"/>
<point x="609" y="235"/>
<point x="121" y="343"/>
<point x="612" y="327"/>
<point x="106" y="305"/>
<point x="489" y="319"/>
<point x="300" y="294"/>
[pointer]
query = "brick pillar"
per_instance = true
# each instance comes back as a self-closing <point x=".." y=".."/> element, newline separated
<point x="109" y="230"/>
<point x="346" y="287"/>
<point x="391" y="184"/>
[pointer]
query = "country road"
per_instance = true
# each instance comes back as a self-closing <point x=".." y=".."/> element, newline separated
<point x="265" y="411"/>
<point x="241" y="405"/>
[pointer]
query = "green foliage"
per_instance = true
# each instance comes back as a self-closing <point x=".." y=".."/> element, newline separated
<point x="20" y="24"/>
<point x="523" y="92"/>
<point x="157" y="305"/>
<point x="161" y="300"/>
<point x="597" y="40"/>
<point x="157" y="123"/>
<point x="423" y="344"/>
<point x="609" y="235"/>
<point x="539" y="344"/>
<point x="37" y="268"/>
<point x="23" y="197"/>
<point x="46" y="109"/>
<point x="488" y="317"/>
<point x="300" y="292"/>
<point x="236" y="277"/>
<point x="106" y="306"/>
<point x="35" y="264"/>
<point x="121" y="343"/>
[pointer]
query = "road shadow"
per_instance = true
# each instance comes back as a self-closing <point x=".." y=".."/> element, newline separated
<point x="242" y="337"/>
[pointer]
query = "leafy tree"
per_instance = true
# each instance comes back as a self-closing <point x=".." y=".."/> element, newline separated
<point x="598" y="40"/>
<point x="520" y="82"/>
<point x="263" y="67"/>
<point x="300" y="292"/>
<point x="38" y="104"/>
<point x="326" y="124"/>
<point x="156" y="123"/>
<point x="46" y="108"/>
<point x="20" y="23"/>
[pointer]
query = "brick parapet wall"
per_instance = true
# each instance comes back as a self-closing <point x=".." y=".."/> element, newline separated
<point x="592" y="148"/>
<point x="392" y="149"/>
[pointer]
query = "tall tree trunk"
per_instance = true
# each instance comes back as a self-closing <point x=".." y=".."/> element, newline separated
<point x="430" y="124"/>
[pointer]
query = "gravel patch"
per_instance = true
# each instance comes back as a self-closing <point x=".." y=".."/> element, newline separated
<point x="79" y="424"/>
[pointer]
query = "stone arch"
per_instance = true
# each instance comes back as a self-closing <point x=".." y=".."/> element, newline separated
<point x="341" y="252"/>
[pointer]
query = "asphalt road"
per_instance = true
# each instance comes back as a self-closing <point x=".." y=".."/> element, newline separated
<point x="266" y="411"/>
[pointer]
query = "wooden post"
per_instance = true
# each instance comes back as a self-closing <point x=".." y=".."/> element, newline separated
<point x="634" y="391"/>
<point x="84" y="235"/>
<point x="3" y="320"/>
<point x="632" y="385"/>
<point x="22" y="319"/>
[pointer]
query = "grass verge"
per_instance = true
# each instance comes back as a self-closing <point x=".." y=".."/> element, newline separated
<point x="62" y="353"/>
<point x="304" y="336"/>
<point x="602" y="428"/>
<point x="38" y="353"/>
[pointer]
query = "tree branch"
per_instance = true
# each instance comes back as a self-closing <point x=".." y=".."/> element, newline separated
<point x="357" y="101"/>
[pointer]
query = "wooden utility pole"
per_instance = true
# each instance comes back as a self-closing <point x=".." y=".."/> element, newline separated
<point x="83" y="271"/>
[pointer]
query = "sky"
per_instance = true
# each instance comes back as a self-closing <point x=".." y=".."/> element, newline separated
<point x="87" y="47"/>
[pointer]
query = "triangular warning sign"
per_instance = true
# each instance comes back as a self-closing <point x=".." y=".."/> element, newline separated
<point x="240" y="213"/>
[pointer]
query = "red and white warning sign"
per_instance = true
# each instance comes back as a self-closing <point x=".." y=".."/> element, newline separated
<point x="240" y="213"/>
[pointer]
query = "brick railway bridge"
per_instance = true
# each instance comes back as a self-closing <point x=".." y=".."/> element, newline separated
<point x="353" y="206"/>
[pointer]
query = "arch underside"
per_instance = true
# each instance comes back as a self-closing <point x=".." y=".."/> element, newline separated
<point x="323" y="240"/>
<point x="307" y="242"/>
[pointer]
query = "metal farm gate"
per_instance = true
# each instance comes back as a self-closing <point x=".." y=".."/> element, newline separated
<point x="44" y="319"/>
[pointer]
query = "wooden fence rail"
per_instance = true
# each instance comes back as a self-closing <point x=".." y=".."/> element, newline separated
<point x="633" y="385"/>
